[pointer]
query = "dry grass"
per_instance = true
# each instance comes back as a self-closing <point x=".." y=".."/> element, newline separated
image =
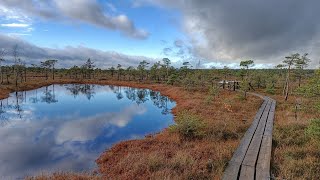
<point x="166" y="155"/>
<point x="66" y="176"/>
<point x="295" y="154"/>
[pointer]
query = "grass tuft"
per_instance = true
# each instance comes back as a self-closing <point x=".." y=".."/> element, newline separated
<point x="313" y="130"/>
<point x="189" y="126"/>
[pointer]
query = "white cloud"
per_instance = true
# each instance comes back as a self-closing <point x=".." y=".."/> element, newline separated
<point x="11" y="15"/>
<point x="18" y="34"/>
<point x="32" y="143"/>
<point x="15" y="25"/>
<point x="31" y="147"/>
<point x="86" y="129"/>
<point x="67" y="56"/>
<point x="84" y="11"/>
<point x="29" y="29"/>
<point x="112" y="7"/>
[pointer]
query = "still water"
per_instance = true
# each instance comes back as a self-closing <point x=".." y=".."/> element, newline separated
<point x="66" y="127"/>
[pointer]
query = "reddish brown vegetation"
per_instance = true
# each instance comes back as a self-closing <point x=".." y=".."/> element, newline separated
<point x="295" y="154"/>
<point x="167" y="155"/>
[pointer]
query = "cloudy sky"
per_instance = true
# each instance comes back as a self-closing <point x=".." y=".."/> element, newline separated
<point x="216" y="32"/>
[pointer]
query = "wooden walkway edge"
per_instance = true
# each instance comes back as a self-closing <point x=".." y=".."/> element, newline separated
<point x="252" y="158"/>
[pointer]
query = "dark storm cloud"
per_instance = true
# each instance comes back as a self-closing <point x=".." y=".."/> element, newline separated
<point x="259" y="29"/>
<point x="87" y="11"/>
<point x="68" y="56"/>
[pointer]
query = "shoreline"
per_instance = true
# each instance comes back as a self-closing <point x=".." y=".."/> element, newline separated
<point x="161" y="139"/>
<point x="155" y="87"/>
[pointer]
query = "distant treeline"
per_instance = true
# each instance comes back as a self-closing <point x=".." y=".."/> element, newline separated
<point x="293" y="69"/>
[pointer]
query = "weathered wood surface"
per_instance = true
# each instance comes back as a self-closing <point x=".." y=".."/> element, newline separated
<point x="251" y="160"/>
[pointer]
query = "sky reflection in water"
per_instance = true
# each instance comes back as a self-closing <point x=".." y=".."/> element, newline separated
<point x="66" y="127"/>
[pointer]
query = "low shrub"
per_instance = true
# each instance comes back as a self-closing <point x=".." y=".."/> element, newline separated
<point x="270" y="90"/>
<point x="173" y="79"/>
<point x="313" y="130"/>
<point x="181" y="161"/>
<point x="155" y="162"/>
<point x="317" y="106"/>
<point x="241" y="96"/>
<point x="214" y="91"/>
<point x="189" y="126"/>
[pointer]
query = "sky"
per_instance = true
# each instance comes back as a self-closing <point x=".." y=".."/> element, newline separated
<point x="215" y="33"/>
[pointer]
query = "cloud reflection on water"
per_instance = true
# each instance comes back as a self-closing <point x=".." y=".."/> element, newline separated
<point x="88" y="128"/>
<point x="34" y="141"/>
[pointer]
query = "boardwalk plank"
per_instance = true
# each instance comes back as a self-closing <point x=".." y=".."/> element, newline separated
<point x="263" y="164"/>
<point x="244" y="144"/>
<point x="247" y="173"/>
<point x="233" y="167"/>
<point x="253" y="150"/>
<point x="269" y="125"/>
<point x="232" y="171"/>
<point x="252" y="158"/>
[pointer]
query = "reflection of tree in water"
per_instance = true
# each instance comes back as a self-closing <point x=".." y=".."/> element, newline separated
<point x="130" y="93"/>
<point x="34" y="99"/>
<point x="112" y="87"/>
<point x="119" y="93"/>
<point x="117" y="90"/>
<point x="137" y="95"/>
<point x="141" y="96"/>
<point x="3" y="119"/>
<point x="19" y="97"/>
<point x="160" y="101"/>
<point x="49" y="96"/>
<point x="86" y="89"/>
<point x="74" y="89"/>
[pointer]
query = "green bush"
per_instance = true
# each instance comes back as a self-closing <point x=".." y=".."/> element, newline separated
<point x="312" y="88"/>
<point x="270" y="90"/>
<point x="214" y="91"/>
<point x="313" y="130"/>
<point x="189" y="126"/>
<point x="317" y="106"/>
<point x="241" y="96"/>
<point x="208" y="99"/>
<point x="172" y="79"/>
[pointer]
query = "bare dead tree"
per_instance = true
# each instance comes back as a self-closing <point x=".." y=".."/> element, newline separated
<point x="16" y="63"/>
<point x="290" y="61"/>
<point x="2" y="54"/>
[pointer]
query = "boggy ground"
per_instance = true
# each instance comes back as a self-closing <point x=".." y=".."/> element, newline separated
<point x="295" y="154"/>
<point x="167" y="155"/>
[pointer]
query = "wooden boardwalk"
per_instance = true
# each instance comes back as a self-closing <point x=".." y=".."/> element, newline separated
<point x="252" y="158"/>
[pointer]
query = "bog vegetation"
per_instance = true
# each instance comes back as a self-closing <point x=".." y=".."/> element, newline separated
<point x="291" y="83"/>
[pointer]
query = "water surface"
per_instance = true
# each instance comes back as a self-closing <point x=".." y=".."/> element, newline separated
<point x="66" y="127"/>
